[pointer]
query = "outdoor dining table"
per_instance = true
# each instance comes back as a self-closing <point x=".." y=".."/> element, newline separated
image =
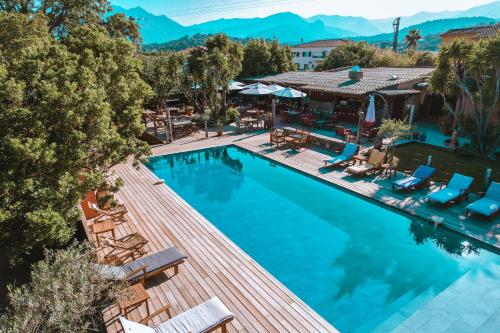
<point x="249" y="122"/>
<point x="293" y="115"/>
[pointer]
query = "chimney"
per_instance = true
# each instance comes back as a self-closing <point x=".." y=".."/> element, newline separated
<point x="356" y="73"/>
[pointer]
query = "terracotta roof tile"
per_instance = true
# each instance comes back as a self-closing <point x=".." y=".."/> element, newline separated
<point x="322" y="43"/>
<point x="339" y="82"/>
<point x="484" y="31"/>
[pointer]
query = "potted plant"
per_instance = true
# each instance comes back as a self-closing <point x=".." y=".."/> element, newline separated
<point x="446" y="124"/>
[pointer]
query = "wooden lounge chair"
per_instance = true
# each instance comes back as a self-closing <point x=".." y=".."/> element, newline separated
<point x="488" y="205"/>
<point x="373" y="164"/>
<point x="203" y="318"/>
<point x="118" y="214"/>
<point x="145" y="267"/>
<point x="456" y="190"/>
<point x="130" y="246"/>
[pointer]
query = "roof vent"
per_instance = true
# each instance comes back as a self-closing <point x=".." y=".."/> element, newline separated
<point x="356" y="73"/>
<point x="394" y="77"/>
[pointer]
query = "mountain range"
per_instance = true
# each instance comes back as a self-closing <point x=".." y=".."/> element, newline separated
<point x="292" y="28"/>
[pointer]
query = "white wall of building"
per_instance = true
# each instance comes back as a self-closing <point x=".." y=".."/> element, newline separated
<point x="309" y="57"/>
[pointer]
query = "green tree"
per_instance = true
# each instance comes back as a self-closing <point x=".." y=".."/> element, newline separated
<point x="164" y="73"/>
<point x="470" y="71"/>
<point x="210" y="69"/>
<point x="61" y="16"/>
<point x="349" y="54"/>
<point x="262" y="58"/>
<point x="412" y="38"/>
<point x="67" y="106"/>
<point x="119" y="25"/>
<point x="65" y="294"/>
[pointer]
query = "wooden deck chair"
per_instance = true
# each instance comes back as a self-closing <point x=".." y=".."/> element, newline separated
<point x="203" y="318"/>
<point x="373" y="164"/>
<point x="130" y="246"/>
<point x="118" y="214"/>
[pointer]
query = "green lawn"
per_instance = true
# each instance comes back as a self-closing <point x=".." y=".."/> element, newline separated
<point x="447" y="162"/>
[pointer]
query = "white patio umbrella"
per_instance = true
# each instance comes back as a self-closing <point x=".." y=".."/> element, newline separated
<point x="256" y="85"/>
<point x="275" y="87"/>
<point x="289" y="93"/>
<point x="255" y="91"/>
<point x="234" y="85"/>
<point x="370" y="113"/>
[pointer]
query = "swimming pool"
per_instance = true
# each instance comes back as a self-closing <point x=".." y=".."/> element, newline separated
<point x="359" y="265"/>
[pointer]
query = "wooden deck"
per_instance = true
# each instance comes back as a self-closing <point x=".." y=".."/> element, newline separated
<point x="218" y="267"/>
<point x="215" y="265"/>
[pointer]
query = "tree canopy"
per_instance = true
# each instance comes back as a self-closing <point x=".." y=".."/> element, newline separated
<point x="68" y="105"/>
<point x="262" y="58"/>
<point x="470" y="71"/>
<point x="365" y="55"/>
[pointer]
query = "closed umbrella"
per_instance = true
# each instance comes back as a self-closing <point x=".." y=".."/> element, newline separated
<point x="255" y="91"/>
<point x="233" y="85"/>
<point x="370" y="114"/>
<point x="289" y="93"/>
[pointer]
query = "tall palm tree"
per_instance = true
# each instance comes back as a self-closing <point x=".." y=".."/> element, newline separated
<point x="412" y="37"/>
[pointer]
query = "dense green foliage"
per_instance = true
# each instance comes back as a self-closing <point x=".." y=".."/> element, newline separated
<point x="163" y="71"/>
<point x="67" y="105"/>
<point x="470" y="71"/>
<point x="208" y="72"/>
<point x="65" y="294"/>
<point x="365" y="55"/>
<point x="261" y="58"/>
<point x="186" y="42"/>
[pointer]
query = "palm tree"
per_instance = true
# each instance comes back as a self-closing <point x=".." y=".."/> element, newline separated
<point x="412" y="37"/>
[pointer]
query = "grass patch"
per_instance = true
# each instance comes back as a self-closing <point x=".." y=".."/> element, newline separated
<point x="447" y="162"/>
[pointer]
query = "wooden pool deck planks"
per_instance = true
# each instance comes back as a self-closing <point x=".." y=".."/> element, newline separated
<point x="215" y="265"/>
<point x="218" y="267"/>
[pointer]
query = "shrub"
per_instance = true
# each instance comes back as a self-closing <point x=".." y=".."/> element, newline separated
<point x="65" y="294"/>
<point x="232" y="114"/>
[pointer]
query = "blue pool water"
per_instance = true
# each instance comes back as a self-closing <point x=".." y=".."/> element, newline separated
<point x="356" y="263"/>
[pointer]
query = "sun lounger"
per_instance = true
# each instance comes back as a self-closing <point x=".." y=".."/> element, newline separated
<point x="373" y="164"/>
<point x="203" y="318"/>
<point x="145" y="267"/>
<point x="419" y="179"/>
<point x="457" y="189"/>
<point x="487" y="205"/>
<point x="346" y="156"/>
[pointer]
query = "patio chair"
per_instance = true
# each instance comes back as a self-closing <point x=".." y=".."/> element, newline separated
<point x="276" y="137"/>
<point x="346" y="156"/>
<point x="456" y="190"/>
<point x="373" y="164"/>
<point x="419" y="179"/>
<point x="130" y="246"/>
<point x="145" y="267"/>
<point x="118" y="214"/>
<point x="203" y="318"/>
<point x="488" y="204"/>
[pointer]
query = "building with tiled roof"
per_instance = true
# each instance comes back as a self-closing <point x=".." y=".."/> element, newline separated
<point x="310" y="55"/>
<point x="340" y="89"/>
<point x="472" y="33"/>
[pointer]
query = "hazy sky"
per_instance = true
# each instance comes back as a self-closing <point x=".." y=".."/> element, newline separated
<point x="195" y="11"/>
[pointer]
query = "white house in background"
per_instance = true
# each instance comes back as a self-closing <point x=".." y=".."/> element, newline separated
<point x="309" y="55"/>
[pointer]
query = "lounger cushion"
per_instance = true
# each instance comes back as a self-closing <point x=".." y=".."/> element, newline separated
<point x="460" y="182"/>
<point x="484" y="206"/>
<point x="110" y="272"/>
<point x="408" y="182"/>
<point x="337" y="159"/>
<point x="154" y="261"/>
<point x="133" y="327"/>
<point x="199" y="319"/>
<point x="357" y="169"/>
<point x="443" y="196"/>
<point x="424" y="172"/>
